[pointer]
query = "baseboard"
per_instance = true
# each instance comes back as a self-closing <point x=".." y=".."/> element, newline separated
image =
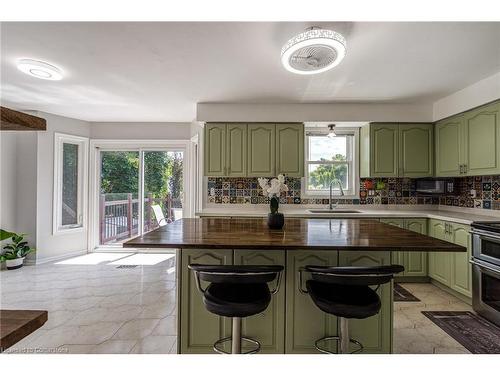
<point x="447" y="289"/>
<point x="412" y="279"/>
<point x="60" y="257"/>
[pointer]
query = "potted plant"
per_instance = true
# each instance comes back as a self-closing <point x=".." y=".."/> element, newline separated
<point x="15" y="252"/>
<point x="273" y="189"/>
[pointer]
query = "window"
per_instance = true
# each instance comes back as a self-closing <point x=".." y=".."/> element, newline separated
<point x="70" y="175"/>
<point x="329" y="159"/>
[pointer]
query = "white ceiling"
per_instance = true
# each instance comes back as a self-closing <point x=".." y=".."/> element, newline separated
<point x="159" y="71"/>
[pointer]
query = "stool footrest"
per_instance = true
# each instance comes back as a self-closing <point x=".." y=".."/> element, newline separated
<point x="336" y="338"/>
<point x="218" y="343"/>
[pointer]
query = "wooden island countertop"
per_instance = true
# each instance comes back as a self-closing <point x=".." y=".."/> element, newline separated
<point x="313" y="234"/>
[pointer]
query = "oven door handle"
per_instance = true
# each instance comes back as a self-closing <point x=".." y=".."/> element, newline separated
<point x="482" y="265"/>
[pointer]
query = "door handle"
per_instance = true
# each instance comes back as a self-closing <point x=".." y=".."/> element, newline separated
<point x="476" y="263"/>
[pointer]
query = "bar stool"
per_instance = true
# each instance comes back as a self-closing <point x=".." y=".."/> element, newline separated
<point x="345" y="292"/>
<point x="237" y="292"/>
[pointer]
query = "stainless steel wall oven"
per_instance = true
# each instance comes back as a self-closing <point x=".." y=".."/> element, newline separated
<point x="486" y="270"/>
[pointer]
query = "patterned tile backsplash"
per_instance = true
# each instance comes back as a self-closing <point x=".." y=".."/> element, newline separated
<point x="222" y="190"/>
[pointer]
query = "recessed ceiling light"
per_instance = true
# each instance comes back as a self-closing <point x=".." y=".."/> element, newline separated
<point x="314" y="51"/>
<point x="39" y="69"/>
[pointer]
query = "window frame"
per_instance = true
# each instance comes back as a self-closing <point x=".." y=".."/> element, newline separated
<point x="82" y="185"/>
<point x="353" y="191"/>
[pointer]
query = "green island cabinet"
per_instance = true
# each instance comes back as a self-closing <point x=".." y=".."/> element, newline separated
<point x="451" y="269"/>
<point x="292" y="322"/>
<point x="469" y="144"/>
<point x="199" y="329"/>
<point x="396" y="150"/>
<point x="305" y="323"/>
<point x="254" y="150"/>
<point x="375" y="332"/>
<point x="414" y="262"/>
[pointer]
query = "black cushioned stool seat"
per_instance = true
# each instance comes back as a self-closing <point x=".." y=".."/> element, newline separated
<point x="239" y="300"/>
<point x="347" y="301"/>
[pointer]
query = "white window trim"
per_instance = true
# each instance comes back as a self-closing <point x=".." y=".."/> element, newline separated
<point x="352" y="193"/>
<point x="83" y="154"/>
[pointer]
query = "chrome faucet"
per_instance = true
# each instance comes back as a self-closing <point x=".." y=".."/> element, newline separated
<point x="336" y="180"/>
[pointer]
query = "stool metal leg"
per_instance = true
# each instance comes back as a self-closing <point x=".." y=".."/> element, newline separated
<point x="236" y="336"/>
<point x="344" y="335"/>
<point x="343" y="339"/>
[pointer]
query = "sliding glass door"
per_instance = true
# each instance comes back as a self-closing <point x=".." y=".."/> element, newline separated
<point x="163" y="188"/>
<point x="139" y="190"/>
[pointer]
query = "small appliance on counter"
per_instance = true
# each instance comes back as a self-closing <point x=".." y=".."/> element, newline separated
<point x="486" y="270"/>
<point x="429" y="186"/>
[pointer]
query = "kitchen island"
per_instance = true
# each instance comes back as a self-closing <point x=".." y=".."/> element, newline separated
<point x="292" y="322"/>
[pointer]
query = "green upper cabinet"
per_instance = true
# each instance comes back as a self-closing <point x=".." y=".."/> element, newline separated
<point x="290" y="149"/>
<point x="236" y="150"/>
<point x="469" y="144"/>
<point x="416" y="150"/>
<point x="215" y="149"/>
<point x="261" y="150"/>
<point x="449" y="147"/>
<point x="384" y="153"/>
<point x="482" y="140"/>
<point x="396" y="150"/>
<point x="254" y="150"/>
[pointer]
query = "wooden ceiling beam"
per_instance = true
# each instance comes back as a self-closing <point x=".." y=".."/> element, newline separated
<point x="15" y="120"/>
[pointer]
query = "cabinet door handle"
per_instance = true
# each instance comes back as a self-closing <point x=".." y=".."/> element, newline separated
<point x="465" y="168"/>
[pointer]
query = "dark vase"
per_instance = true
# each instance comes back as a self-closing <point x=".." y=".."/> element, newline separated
<point x="275" y="220"/>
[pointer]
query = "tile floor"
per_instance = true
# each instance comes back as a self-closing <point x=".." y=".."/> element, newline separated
<point x="95" y="307"/>
<point x="416" y="334"/>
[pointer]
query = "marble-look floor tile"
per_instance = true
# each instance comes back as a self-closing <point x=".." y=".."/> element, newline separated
<point x="95" y="308"/>
<point x="155" y="345"/>
<point x="414" y="333"/>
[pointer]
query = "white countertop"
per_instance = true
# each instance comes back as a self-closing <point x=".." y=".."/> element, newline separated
<point x="455" y="214"/>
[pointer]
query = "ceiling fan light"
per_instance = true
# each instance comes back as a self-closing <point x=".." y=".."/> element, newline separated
<point x="313" y="51"/>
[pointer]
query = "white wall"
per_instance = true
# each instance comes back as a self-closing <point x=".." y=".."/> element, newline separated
<point x="314" y="112"/>
<point x="18" y="177"/>
<point x="51" y="246"/>
<point x="484" y="91"/>
<point x="140" y="130"/>
<point x="8" y="212"/>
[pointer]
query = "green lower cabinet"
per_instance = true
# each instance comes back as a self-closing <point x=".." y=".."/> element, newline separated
<point x="461" y="275"/>
<point x="268" y="327"/>
<point x="199" y="329"/>
<point x="415" y="262"/>
<point x="397" y="257"/>
<point x="375" y="333"/>
<point x="440" y="262"/>
<point x="306" y="323"/>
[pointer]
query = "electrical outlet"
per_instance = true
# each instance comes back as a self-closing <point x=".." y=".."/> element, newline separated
<point x="212" y="192"/>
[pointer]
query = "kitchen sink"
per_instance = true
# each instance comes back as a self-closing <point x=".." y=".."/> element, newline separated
<point x="334" y="211"/>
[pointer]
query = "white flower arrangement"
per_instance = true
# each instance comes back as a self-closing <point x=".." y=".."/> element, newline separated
<point x="274" y="187"/>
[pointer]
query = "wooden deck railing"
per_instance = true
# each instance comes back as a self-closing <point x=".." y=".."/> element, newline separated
<point x="119" y="219"/>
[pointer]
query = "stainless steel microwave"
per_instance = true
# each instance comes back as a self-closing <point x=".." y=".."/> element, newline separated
<point x="431" y="186"/>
